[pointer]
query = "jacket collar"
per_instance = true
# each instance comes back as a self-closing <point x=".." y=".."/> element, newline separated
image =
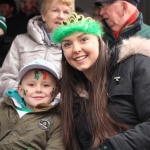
<point x="109" y="39"/>
<point x="132" y="46"/>
<point x="40" y="108"/>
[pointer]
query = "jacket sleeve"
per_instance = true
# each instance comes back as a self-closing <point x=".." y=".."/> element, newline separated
<point x="55" y="141"/>
<point x="10" y="68"/>
<point x="137" y="138"/>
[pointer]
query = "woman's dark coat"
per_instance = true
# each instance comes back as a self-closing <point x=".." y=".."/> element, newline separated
<point x="128" y="88"/>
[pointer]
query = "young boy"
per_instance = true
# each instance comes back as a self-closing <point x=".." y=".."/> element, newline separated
<point x="28" y="120"/>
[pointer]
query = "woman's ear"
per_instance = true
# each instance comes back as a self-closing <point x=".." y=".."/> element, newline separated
<point x="20" y="91"/>
<point x="43" y="17"/>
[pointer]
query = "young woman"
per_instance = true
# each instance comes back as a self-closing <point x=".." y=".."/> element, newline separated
<point x="90" y="118"/>
<point x="36" y="44"/>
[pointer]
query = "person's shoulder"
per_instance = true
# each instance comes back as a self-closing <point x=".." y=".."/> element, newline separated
<point x="145" y="31"/>
<point x="5" y="99"/>
<point x="145" y="27"/>
<point x="6" y="38"/>
<point x="21" y="37"/>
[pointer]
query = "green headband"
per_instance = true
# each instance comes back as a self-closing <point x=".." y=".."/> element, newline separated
<point x="76" y="23"/>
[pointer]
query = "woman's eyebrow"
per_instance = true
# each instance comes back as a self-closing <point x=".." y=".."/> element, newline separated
<point x="77" y="37"/>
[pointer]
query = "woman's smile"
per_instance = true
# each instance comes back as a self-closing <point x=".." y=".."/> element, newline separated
<point x="80" y="58"/>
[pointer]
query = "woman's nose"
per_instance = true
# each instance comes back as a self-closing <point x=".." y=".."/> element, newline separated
<point x="76" y="48"/>
<point x="61" y="15"/>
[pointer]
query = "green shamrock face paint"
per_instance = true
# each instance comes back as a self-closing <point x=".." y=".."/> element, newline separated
<point x="53" y="92"/>
<point x="25" y="92"/>
<point x="36" y="75"/>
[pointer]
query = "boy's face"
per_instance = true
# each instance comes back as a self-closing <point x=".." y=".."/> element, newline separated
<point x="37" y="86"/>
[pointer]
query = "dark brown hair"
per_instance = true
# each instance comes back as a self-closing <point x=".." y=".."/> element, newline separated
<point x="11" y="3"/>
<point x="100" y="124"/>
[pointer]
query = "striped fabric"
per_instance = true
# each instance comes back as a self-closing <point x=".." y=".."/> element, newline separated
<point x="3" y="24"/>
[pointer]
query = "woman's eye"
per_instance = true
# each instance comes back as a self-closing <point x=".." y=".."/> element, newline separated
<point x="66" y="44"/>
<point x="31" y="84"/>
<point x="66" y="12"/>
<point x="55" y="10"/>
<point x="84" y="39"/>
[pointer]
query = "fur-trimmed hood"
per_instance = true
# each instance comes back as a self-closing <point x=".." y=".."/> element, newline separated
<point x="134" y="45"/>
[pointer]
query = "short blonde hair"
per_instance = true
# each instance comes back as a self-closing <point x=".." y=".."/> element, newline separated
<point x="46" y="4"/>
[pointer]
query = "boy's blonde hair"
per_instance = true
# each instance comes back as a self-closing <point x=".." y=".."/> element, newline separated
<point x="46" y="4"/>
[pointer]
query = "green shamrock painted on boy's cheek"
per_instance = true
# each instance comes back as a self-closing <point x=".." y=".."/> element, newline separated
<point x="53" y="92"/>
<point x="25" y="92"/>
<point x="36" y="75"/>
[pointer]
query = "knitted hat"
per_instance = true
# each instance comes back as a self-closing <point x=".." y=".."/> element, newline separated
<point x="3" y="24"/>
<point x="76" y="23"/>
<point x="134" y="2"/>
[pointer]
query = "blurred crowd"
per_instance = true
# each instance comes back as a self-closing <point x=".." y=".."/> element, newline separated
<point x="15" y="21"/>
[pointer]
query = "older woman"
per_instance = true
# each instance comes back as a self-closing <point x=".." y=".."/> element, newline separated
<point x="36" y="44"/>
